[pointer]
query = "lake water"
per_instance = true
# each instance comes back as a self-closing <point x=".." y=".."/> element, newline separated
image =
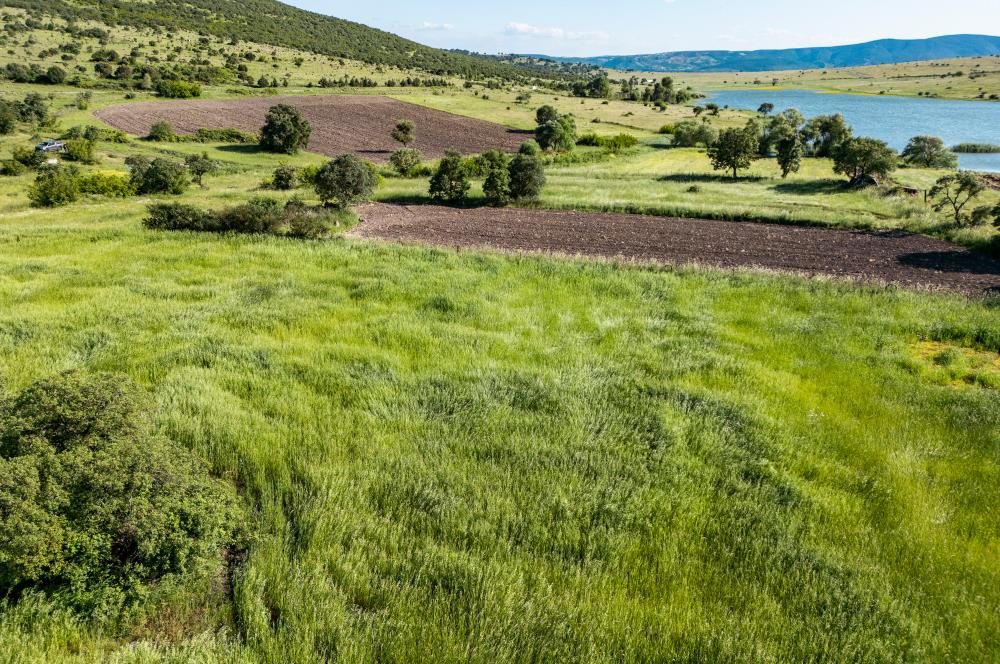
<point x="894" y="120"/>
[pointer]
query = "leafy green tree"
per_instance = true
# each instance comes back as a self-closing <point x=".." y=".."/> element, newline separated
<point x="405" y="160"/>
<point x="736" y="149"/>
<point x="557" y="135"/>
<point x="81" y="150"/>
<point x="497" y="185"/>
<point x="55" y="186"/>
<point x="33" y="108"/>
<point x="285" y="130"/>
<point x="860" y="158"/>
<point x="199" y="166"/>
<point x="55" y="75"/>
<point x="450" y="183"/>
<point x="689" y="134"/>
<point x="527" y="177"/>
<point x="530" y="148"/>
<point x="159" y="176"/>
<point x="403" y="132"/>
<point x="790" y="153"/>
<point x="546" y="114"/>
<point x="929" y="152"/>
<point x="765" y="109"/>
<point x="162" y="132"/>
<point x="8" y="117"/>
<point x="824" y="134"/>
<point x="285" y="177"/>
<point x="97" y="506"/>
<point x="345" y="181"/>
<point x="954" y="193"/>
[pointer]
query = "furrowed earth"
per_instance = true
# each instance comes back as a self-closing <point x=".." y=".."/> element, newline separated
<point x="357" y="124"/>
<point x="882" y="256"/>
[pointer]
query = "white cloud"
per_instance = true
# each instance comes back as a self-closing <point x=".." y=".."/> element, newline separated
<point x="528" y="30"/>
<point x="427" y="26"/>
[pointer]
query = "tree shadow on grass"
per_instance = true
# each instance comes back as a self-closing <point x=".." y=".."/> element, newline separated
<point x="242" y="148"/>
<point x="966" y="262"/>
<point x="684" y="178"/>
<point x="424" y="199"/>
<point x="811" y="187"/>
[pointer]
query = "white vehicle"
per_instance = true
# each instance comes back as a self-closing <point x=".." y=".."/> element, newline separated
<point x="50" y="146"/>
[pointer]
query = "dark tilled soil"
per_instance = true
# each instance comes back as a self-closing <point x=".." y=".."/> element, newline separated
<point x="357" y="124"/>
<point x="871" y="256"/>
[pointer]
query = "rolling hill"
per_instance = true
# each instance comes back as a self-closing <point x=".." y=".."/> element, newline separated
<point x="274" y="23"/>
<point x="881" y="52"/>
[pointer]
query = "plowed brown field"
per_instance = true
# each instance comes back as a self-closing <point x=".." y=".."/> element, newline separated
<point x="357" y="124"/>
<point x="886" y="256"/>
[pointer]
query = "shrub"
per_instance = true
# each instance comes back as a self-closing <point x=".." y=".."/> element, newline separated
<point x="307" y="175"/>
<point x="259" y="215"/>
<point x="557" y="135"/>
<point x="450" y="183"/>
<point x="159" y="176"/>
<point x="285" y="177"/>
<point x="344" y="181"/>
<point x="527" y="177"/>
<point x="178" y="89"/>
<point x="112" y="185"/>
<point x="955" y="193"/>
<point x="667" y="130"/>
<point x="689" y="134"/>
<point x="12" y="168"/>
<point x="860" y="158"/>
<point x="497" y="186"/>
<point x="405" y="161"/>
<point x="81" y="150"/>
<point x="229" y="135"/>
<point x="284" y="130"/>
<point x="176" y="217"/>
<point x="55" y="186"/>
<point x="92" y="133"/>
<point x="95" y="505"/>
<point x="617" y="143"/>
<point x="28" y="157"/>
<point x="8" y="117"/>
<point x="530" y="148"/>
<point x="162" y="132"/>
<point x="403" y="132"/>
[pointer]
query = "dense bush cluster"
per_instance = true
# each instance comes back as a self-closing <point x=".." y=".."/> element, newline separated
<point x="617" y="143"/>
<point x="555" y="132"/>
<point x="258" y="216"/>
<point x="285" y="130"/>
<point x="345" y="181"/>
<point x="97" y="507"/>
<point x="157" y="176"/>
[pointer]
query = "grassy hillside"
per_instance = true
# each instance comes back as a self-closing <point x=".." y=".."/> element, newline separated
<point x="880" y="52"/>
<point x="957" y="78"/>
<point x="271" y="22"/>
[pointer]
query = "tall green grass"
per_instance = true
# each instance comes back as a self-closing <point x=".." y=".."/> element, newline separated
<point x="469" y="457"/>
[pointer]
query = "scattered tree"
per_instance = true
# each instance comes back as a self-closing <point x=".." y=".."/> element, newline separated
<point x="159" y="176"/>
<point x="527" y="177"/>
<point x="557" y="133"/>
<point x="345" y="181"/>
<point x="199" y="166"/>
<point x="450" y="183"/>
<point x="55" y="186"/>
<point x="765" y="109"/>
<point x="162" y="132"/>
<point x="689" y="134"/>
<point x="285" y="177"/>
<point x="954" y="193"/>
<point x="824" y="134"/>
<point x="864" y="158"/>
<point x="929" y="152"/>
<point x="285" y="130"/>
<point x="790" y="153"/>
<point x="405" y="160"/>
<point x="403" y="132"/>
<point x="736" y="149"/>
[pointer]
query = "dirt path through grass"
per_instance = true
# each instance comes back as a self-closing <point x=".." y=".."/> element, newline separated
<point x="872" y="256"/>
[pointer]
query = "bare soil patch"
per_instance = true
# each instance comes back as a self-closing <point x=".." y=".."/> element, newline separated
<point x="870" y="256"/>
<point x="340" y="124"/>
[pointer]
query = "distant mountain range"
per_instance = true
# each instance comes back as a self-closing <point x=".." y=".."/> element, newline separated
<point x="881" y="52"/>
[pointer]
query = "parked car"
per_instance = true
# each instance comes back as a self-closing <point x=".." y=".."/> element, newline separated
<point x="50" y="146"/>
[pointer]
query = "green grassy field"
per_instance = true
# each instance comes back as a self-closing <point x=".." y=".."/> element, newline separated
<point x="471" y="457"/>
<point x="461" y="456"/>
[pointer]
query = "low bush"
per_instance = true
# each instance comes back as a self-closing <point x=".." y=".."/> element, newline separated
<point x="55" y="186"/>
<point x="178" y="89"/>
<point x="285" y="178"/>
<point x="229" y="135"/>
<point x="12" y="168"/>
<point x="616" y="143"/>
<point x="344" y="181"/>
<point x="81" y="150"/>
<point x="405" y="161"/>
<point x="92" y="133"/>
<point x="112" y="185"/>
<point x="307" y="176"/>
<point x="29" y="157"/>
<point x="98" y="507"/>
<point x="159" y="176"/>
<point x="450" y="183"/>
<point x="162" y="132"/>
<point x="259" y="215"/>
<point x="527" y="177"/>
<point x="690" y="133"/>
<point x="176" y="217"/>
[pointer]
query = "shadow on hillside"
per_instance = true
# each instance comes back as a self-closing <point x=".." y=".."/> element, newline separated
<point x="967" y="262"/>
<point x="241" y="148"/>
<point x="424" y="199"/>
<point x="810" y="187"/>
<point x="706" y="178"/>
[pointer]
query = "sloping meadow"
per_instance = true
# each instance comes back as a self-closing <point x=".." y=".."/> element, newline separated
<point x="465" y="457"/>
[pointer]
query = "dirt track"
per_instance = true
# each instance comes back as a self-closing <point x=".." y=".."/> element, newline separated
<point x="900" y="258"/>
<point x="357" y="124"/>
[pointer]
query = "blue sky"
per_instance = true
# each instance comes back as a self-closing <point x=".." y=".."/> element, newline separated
<point x="611" y="27"/>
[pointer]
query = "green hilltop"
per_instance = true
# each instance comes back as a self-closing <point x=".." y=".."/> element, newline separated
<point x="271" y="22"/>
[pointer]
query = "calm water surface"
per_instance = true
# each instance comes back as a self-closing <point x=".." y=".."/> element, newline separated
<point x="895" y="120"/>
